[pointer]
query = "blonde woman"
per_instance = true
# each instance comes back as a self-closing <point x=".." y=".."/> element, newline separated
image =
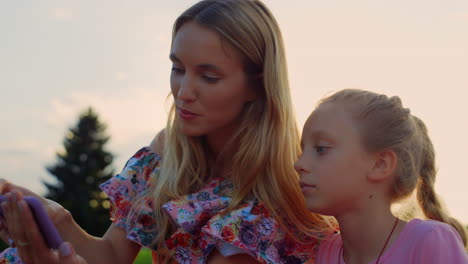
<point x="218" y="184"/>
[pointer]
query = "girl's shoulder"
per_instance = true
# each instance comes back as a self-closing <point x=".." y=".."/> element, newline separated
<point x="427" y="241"/>
<point x="430" y="228"/>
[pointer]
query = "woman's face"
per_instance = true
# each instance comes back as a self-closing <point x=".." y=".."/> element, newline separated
<point x="208" y="83"/>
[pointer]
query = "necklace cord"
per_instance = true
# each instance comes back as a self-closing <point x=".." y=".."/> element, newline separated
<point x="385" y="245"/>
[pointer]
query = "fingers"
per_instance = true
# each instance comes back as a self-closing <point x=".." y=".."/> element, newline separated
<point x="67" y="255"/>
<point x="24" y="230"/>
<point x="4" y="235"/>
<point x="6" y="186"/>
<point x="13" y="217"/>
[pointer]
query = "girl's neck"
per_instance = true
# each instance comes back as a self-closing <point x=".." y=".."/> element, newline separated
<point x="364" y="233"/>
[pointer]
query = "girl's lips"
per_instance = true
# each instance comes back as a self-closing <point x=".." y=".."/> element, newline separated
<point x="187" y="115"/>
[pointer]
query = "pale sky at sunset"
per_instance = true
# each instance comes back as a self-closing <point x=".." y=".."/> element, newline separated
<point x="59" y="56"/>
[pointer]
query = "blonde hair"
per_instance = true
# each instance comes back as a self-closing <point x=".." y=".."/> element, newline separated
<point x="385" y="124"/>
<point x="260" y="156"/>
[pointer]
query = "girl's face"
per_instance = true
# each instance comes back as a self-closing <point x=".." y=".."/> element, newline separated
<point x="333" y="165"/>
<point x="208" y="83"/>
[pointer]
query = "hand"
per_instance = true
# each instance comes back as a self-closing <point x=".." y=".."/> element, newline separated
<point x="24" y="233"/>
<point x="67" y="255"/>
<point x="55" y="211"/>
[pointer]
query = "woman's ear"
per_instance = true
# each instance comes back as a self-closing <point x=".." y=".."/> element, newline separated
<point x="384" y="166"/>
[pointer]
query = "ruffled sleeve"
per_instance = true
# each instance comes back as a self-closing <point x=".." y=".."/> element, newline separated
<point x="204" y="225"/>
<point x="126" y="188"/>
<point x="10" y="256"/>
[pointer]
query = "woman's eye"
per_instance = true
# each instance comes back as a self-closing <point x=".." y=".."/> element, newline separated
<point x="210" y="79"/>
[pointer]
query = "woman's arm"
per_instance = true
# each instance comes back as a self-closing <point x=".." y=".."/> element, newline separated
<point x="114" y="242"/>
<point x="113" y="247"/>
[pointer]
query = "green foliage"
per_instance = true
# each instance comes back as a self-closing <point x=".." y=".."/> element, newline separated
<point x="144" y="257"/>
<point x="80" y="168"/>
<point x="3" y="245"/>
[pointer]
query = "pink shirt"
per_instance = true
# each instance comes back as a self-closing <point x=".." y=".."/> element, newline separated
<point x="420" y="241"/>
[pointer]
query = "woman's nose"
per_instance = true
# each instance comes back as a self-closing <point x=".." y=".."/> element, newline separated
<point x="186" y="90"/>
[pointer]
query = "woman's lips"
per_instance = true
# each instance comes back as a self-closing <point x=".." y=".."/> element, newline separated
<point x="186" y="115"/>
<point x="306" y="186"/>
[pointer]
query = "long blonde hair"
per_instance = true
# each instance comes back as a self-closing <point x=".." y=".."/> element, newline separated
<point x="261" y="153"/>
<point x="385" y="124"/>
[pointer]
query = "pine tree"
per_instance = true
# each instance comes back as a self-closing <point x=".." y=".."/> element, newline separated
<point x="79" y="170"/>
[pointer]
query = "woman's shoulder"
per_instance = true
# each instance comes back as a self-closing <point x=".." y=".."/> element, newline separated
<point x="132" y="187"/>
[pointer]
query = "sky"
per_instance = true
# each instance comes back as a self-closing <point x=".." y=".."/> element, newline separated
<point x="58" y="57"/>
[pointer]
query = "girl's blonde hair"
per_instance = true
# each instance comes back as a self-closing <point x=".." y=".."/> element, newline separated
<point x="385" y="124"/>
<point x="259" y="158"/>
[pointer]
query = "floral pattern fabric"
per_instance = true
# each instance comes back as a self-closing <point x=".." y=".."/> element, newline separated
<point x="200" y="219"/>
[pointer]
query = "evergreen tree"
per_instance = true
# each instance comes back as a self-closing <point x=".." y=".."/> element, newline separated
<point x="79" y="170"/>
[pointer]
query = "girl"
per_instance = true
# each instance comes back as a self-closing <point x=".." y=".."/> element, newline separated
<point x="218" y="184"/>
<point x="362" y="152"/>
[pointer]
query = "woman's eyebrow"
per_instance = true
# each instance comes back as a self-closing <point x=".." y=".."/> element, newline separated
<point x="203" y="66"/>
<point x="207" y="66"/>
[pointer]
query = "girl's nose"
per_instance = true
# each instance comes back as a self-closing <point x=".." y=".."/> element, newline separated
<point x="299" y="167"/>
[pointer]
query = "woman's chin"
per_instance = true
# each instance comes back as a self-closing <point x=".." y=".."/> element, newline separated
<point x="191" y="132"/>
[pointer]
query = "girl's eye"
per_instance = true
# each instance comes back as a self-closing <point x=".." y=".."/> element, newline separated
<point x="210" y="79"/>
<point x="321" y="150"/>
<point x="177" y="70"/>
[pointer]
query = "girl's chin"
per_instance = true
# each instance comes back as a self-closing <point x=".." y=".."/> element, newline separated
<point x="312" y="207"/>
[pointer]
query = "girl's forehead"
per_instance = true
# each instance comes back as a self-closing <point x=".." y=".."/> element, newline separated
<point x="330" y="119"/>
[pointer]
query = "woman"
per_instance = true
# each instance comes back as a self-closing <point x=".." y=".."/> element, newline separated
<point x="218" y="184"/>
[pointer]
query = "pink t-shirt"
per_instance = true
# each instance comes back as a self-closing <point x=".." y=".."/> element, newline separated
<point x="420" y="241"/>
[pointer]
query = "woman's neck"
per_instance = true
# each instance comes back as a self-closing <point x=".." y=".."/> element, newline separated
<point x="365" y="232"/>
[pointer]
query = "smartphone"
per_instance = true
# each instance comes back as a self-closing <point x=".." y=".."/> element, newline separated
<point x="49" y="233"/>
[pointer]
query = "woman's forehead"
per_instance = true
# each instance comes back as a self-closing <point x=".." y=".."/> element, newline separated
<point x="203" y="45"/>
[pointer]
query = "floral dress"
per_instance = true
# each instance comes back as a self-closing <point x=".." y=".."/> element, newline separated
<point x="200" y="221"/>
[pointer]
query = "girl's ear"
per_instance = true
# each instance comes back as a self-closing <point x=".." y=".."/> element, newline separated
<point x="384" y="166"/>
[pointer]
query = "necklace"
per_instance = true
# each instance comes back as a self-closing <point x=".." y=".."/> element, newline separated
<point x="380" y="254"/>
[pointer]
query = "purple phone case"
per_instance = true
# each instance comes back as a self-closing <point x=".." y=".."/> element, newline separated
<point x="46" y="227"/>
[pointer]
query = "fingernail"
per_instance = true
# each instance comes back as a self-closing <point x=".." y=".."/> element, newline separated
<point x="65" y="249"/>
<point x="15" y="196"/>
<point x="9" y="197"/>
<point x="22" y="206"/>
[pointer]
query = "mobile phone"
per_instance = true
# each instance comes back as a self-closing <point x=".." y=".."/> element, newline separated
<point x="49" y="233"/>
